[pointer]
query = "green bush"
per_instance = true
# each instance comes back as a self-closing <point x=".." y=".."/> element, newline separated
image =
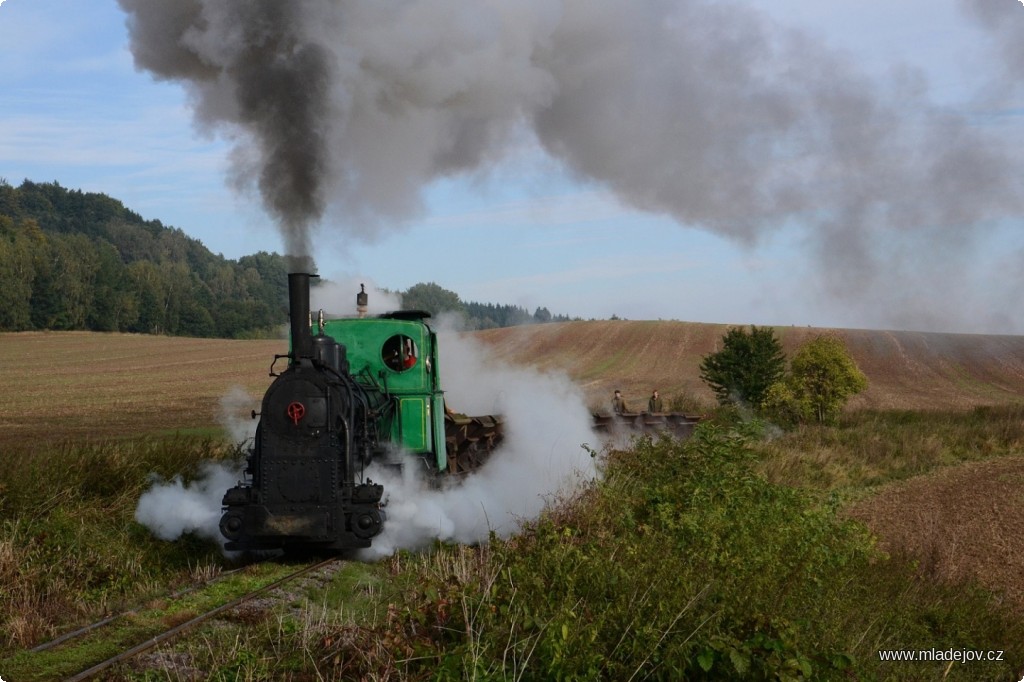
<point x="746" y="366"/>
<point x="821" y="379"/>
<point x="683" y="563"/>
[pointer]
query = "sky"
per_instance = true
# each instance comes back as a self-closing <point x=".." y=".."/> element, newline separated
<point x="785" y="162"/>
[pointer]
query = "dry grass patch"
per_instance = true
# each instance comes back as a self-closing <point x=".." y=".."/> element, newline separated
<point x="961" y="524"/>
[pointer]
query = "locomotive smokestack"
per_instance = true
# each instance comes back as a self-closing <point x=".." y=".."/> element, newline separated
<point x="298" y="306"/>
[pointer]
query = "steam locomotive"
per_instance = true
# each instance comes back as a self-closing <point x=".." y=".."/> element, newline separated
<point x="363" y="389"/>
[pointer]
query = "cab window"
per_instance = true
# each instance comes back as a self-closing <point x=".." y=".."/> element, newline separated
<point x="400" y="353"/>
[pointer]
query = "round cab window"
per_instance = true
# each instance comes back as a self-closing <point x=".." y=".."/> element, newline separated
<point x="400" y="353"/>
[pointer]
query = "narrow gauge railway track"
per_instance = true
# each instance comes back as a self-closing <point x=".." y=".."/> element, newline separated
<point x="178" y="629"/>
<point x="86" y="629"/>
<point x="172" y="632"/>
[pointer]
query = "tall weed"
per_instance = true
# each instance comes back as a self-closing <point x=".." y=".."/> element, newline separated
<point x="69" y="546"/>
<point x="868" y="448"/>
<point x="685" y="563"/>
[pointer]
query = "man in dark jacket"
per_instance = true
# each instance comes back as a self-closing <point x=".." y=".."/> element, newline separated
<point x="618" y="404"/>
<point x="655" y="404"/>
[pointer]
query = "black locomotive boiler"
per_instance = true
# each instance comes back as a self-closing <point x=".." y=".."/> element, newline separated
<point x="362" y="389"/>
<point x="312" y="444"/>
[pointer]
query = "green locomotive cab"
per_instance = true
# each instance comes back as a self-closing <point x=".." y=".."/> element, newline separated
<point x="357" y="390"/>
<point x="395" y="354"/>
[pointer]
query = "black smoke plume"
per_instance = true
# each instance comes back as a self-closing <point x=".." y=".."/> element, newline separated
<point x="705" y="110"/>
<point x="250" y="64"/>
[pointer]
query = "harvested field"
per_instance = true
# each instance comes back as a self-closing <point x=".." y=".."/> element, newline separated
<point x="961" y="523"/>
<point x="906" y="370"/>
<point x="81" y="385"/>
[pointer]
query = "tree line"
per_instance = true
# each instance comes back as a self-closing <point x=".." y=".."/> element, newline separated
<point x="72" y="260"/>
<point x="435" y="299"/>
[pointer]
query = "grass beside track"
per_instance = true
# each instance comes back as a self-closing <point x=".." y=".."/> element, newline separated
<point x="685" y="562"/>
<point x="157" y="616"/>
<point x="70" y="549"/>
<point x="730" y="557"/>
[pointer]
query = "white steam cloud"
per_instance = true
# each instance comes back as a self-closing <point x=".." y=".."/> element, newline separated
<point x="173" y="508"/>
<point x="542" y="459"/>
<point x="235" y="417"/>
<point x="339" y="297"/>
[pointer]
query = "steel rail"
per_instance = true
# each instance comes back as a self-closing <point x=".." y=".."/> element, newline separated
<point x="175" y="631"/>
<point x="110" y="619"/>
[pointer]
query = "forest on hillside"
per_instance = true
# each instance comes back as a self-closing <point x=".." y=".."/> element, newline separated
<point x="76" y="260"/>
<point x="72" y="260"/>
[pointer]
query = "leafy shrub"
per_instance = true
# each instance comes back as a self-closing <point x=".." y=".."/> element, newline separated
<point x="746" y="366"/>
<point x="683" y="563"/>
<point x="822" y="378"/>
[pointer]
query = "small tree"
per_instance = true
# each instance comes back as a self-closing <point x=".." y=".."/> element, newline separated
<point x="746" y="367"/>
<point x="433" y="298"/>
<point x="822" y="378"/>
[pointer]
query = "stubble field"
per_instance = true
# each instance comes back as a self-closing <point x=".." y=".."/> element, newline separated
<point x="86" y="386"/>
<point x="906" y="370"/>
<point x="931" y="457"/>
<point x="83" y="385"/>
